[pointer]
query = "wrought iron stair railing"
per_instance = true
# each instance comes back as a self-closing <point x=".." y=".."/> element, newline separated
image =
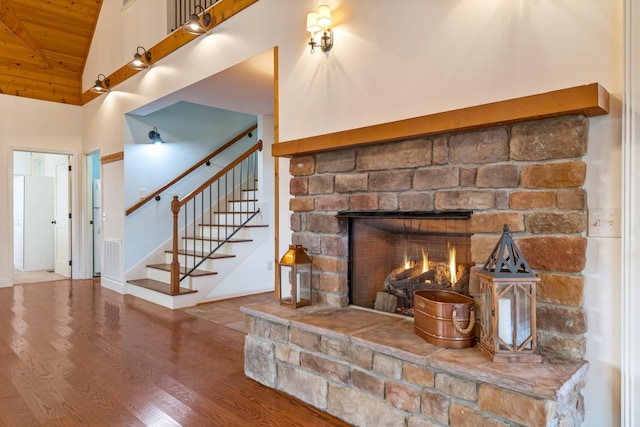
<point x="223" y="205"/>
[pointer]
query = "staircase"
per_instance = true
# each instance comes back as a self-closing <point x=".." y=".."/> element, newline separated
<point x="216" y="227"/>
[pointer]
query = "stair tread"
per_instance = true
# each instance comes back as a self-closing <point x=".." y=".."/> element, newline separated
<point x="199" y="254"/>
<point x="158" y="286"/>
<point x="208" y="239"/>
<point x="232" y="226"/>
<point x="195" y="273"/>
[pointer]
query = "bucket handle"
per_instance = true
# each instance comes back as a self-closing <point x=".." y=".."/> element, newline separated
<point x="469" y="328"/>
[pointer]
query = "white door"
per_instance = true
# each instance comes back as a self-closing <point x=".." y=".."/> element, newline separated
<point x="62" y="220"/>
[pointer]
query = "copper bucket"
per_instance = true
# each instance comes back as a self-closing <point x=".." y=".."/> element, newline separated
<point x="444" y="318"/>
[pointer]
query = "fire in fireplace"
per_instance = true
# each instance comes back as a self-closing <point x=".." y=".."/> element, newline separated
<point x="393" y="254"/>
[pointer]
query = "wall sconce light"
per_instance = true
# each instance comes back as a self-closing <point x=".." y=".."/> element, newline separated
<point x="193" y="25"/>
<point x="155" y="137"/>
<point x="138" y="63"/>
<point x="101" y="86"/>
<point x="320" y="21"/>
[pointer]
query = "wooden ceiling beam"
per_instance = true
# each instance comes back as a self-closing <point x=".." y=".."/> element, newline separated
<point x="11" y="22"/>
<point x="220" y="12"/>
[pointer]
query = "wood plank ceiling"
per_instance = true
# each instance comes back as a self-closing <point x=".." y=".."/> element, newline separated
<point x="43" y="47"/>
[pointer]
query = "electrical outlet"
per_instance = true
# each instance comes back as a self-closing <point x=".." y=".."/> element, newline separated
<point x="604" y="222"/>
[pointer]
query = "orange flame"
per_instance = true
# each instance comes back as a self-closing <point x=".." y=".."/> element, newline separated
<point x="452" y="265"/>
<point x="425" y="261"/>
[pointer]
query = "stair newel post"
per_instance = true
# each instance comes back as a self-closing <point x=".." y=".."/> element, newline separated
<point x="175" y="264"/>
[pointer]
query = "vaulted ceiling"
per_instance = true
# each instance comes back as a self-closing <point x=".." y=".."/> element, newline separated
<point x="44" y="46"/>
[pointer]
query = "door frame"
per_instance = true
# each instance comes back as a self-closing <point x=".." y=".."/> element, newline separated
<point x="87" y="209"/>
<point x="77" y="271"/>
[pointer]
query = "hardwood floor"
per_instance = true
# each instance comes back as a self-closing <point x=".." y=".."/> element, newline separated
<point x="75" y="354"/>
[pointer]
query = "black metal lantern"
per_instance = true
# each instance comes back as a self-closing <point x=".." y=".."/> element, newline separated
<point x="295" y="277"/>
<point x="508" y="298"/>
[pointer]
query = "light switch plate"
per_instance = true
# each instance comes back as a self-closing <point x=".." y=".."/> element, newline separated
<point x="604" y="222"/>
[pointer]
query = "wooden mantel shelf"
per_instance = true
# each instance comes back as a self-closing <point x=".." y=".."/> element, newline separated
<point x="589" y="100"/>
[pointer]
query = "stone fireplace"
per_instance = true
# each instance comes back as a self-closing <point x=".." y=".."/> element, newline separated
<point x="527" y="174"/>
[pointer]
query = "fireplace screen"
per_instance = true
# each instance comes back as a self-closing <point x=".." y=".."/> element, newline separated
<point x="390" y="257"/>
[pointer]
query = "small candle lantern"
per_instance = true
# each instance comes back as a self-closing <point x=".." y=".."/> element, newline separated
<point x="508" y="298"/>
<point x="295" y="277"/>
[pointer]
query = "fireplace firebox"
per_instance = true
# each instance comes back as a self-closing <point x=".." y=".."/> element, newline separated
<point x="393" y="254"/>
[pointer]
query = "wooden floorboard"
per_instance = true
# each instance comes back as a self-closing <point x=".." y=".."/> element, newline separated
<point x="75" y="354"/>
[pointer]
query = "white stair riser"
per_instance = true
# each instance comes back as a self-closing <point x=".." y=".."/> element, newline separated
<point x="223" y="232"/>
<point x="208" y="265"/>
<point x="248" y="206"/>
<point x="230" y="219"/>
<point x="160" y="275"/>
<point x="200" y="246"/>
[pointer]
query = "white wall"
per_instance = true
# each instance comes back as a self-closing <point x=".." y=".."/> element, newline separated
<point x="32" y="125"/>
<point x="395" y="60"/>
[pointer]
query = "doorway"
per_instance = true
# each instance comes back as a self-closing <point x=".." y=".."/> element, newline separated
<point x="93" y="186"/>
<point x="41" y="216"/>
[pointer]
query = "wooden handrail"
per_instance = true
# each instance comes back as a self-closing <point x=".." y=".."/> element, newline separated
<point x="219" y="150"/>
<point x="217" y="176"/>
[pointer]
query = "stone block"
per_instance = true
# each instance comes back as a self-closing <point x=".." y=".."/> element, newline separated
<point x="334" y="299"/>
<point x="308" y="240"/>
<point x="553" y="344"/>
<point x="440" y="151"/>
<point x="274" y="331"/>
<point x="307" y="340"/>
<point x="490" y="222"/>
<point x="260" y="360"/>
<point x="481" y="147"/>
<point x="403" y="396"/>
<point x="387" y="201"/>
<point x="574" y="198"/>
<point x="336" y="161"/>
<point x="515" y="407"/>
<point x="553" y="223"/>
<point x="553" y="175"/>
<point x="335" y="245"/>
<point x="502" y="200"/>
<point x="295" y="222"/>
<point x="286" y="353"/>
<point x="468" y="176"/>
<point x="417" y="375"/>
<point x="395" y="155"/>
<point x="325" y="223"/>
<point x="561" y="289"/>
<point x="559" y="254"/>
<point x="301" y="204"/>
<point x="330" y="264"/>
<point x="390" y="180"/>
<point x="420" y="422"/>
<point x="498" y="176"/>
<point x="332" y="370"/>
<point x="332" y="202"/>
<point x="387" y="366"/>
<point x="433" y="178"/>
<point x="474" y="283"/>
<point x="363" y="202"/>
<point x="464" y="200"/>
<point x="303" y="165"/>
<point x="299" y="186"/>
<point x="331" y="282"/>
<point x="321" y="184"/>
<point x="457" y="387"/>
<point x="412" y="202"/>
<point x="566" y="320"/>
<point x="349" y="183"/>
<point x="435" y="406"/>
<point x="526" y="200"/>
<point x="364" y="381"/>
<point x="550" y="139"/>
<point x="249" y="323"/>
<point x="464" y="416"/>
<point x="482" y="246"/>
<point x="361" y="409"/>
<point x="304" y="385"/>
<point x="348" y="352"/>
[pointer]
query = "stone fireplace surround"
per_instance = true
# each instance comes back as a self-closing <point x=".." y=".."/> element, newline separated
<point x="528" y="175"/>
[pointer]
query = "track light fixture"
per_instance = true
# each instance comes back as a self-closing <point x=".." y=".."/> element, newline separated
<point x="193" y="25"/>
<point x="101" y="86"/>
<point x="138" y="63"/>
<point x="155" y="137"/>
<point x="320" y="21"/>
